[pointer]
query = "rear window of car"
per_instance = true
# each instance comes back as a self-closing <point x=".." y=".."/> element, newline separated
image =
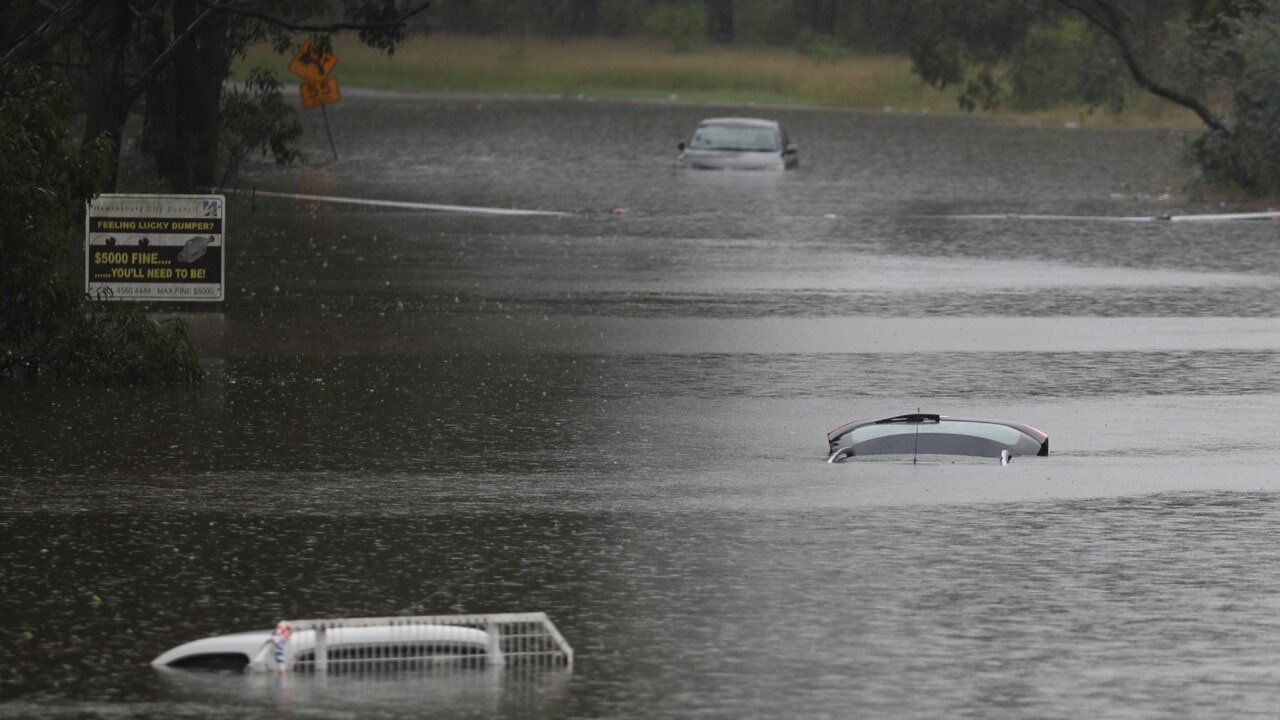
<point x="987" y="431"/>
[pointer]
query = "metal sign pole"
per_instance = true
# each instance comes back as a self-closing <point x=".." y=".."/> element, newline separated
<point x="329" y="130"/>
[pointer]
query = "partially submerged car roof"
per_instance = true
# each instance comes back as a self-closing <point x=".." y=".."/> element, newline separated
<point x="744" y="121"/>
<point x="526" y="640"/>
<point x="918" y="433"/>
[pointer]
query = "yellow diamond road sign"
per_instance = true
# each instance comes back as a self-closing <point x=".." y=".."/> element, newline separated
<point x="320" y="92"/>
<point x="311" y="63"/>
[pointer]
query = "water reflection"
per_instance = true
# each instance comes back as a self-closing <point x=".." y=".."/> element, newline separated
<point x="444" y="695"/>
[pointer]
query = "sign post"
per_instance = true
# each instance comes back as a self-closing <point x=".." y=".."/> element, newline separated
<point x="155" y="247"/>
<point x="313" y="65"/>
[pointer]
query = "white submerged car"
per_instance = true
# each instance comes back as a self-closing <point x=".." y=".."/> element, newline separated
<point x="353" y="645"/>
<point x="346" y="648"/>
<point x="732" y="143"/>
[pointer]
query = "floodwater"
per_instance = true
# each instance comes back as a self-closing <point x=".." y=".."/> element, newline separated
<point x="617" y="417"/>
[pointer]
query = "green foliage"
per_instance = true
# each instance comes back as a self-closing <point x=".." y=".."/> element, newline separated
<point x="382" y="14"/>
<point x="945" y="63"/>
<point x="1060" y="62"/>
<point x="1223" y="53"/>
<point x="255" y="118"/>
<point x="764" y="22"/>
<point x="1211" y="11"/>
<point x="123" y="345"/>
<point x="1247" y="156"/>
<point x="962" y="44"/>
<point x="42" y="184"/>
<point x="684" y="26"/>
<point x="46" y="323"/>
<point x="622" y="18"/>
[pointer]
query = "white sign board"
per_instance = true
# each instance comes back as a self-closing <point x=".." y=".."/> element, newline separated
<point x="155" y="247"/>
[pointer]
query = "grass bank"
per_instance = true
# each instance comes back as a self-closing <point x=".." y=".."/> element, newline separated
<point x="630" y="68"/>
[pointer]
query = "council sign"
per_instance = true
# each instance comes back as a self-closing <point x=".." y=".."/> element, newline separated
<point x="155" y="247"/>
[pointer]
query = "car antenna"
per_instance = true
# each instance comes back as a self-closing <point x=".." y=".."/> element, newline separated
<point x="915" y="451"/>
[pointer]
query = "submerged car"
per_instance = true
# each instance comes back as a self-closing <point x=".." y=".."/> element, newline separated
<point x="919" y="435"/>
<point x="356" y="645"/>
<point x="348" y="648"/>
<point x="733" y="143"/>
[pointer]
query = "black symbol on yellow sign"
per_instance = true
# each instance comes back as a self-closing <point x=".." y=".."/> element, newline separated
<point x="312" y="63"/>
<point x="320" y="92"/>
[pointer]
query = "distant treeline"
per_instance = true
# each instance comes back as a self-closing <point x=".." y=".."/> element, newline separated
<point x="871" y="25"/>
<point x="814" y="26"/>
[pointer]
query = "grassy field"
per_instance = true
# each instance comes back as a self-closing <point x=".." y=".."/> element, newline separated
<point x="623" y="68"/>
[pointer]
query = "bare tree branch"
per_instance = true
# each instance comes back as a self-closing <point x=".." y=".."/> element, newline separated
<point x="1109" y="20"/>
<point x="63" y="20"/>
<point x="67" y="15"/>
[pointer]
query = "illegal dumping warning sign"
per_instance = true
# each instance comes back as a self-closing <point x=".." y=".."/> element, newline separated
<point x="155" y="247"/>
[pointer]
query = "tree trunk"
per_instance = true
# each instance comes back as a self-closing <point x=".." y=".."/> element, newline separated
<point x="720" y="21"/>
<point x="188" y="115"/>
<point x="158" y="125"/>
<point x="107" y="97"/>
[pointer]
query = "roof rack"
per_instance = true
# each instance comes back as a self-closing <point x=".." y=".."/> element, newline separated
<point x="493" y="640"/>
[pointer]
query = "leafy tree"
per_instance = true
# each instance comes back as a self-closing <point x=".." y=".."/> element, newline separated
<point x="177" y="54"/>
<point x="1185" y="53"/>
<point x="963" y="45"/>
<point x="256" y="119"/>
<point x="1244" y="55"/>
<point x="1061" y="61"/>
<point x="47" y="324"/>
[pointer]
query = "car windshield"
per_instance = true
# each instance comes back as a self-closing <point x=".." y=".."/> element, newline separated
<point x="734" y="137"/>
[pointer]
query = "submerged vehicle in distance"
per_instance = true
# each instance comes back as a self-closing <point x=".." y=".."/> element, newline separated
<point x="734" y="143"/>
<point x="347" y="648"/>
<point x="357" y="645"/>
<point x="930" y="436"/>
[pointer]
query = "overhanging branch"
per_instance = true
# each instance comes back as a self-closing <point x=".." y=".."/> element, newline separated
<point x="233" y="8"/>
<point x="230" y="6"/>
<point x="1114" y="25"/>
<point x="63" y="20"/>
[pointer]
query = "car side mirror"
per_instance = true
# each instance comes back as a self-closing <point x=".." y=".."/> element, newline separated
<point x="680" y="146"/>
<point x="793" y="148"/>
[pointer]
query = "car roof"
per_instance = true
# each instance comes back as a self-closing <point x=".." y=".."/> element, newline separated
<point x="919" y="417"/>
<point x="950" y="435"/>
<point x="251" y="643"/>
<point x="746" y="122"/>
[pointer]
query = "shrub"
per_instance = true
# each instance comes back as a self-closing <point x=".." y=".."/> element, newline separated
<point x="255" y="118"/>
<point x="1246" y="156"/>
<point x="47" y="324"/>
